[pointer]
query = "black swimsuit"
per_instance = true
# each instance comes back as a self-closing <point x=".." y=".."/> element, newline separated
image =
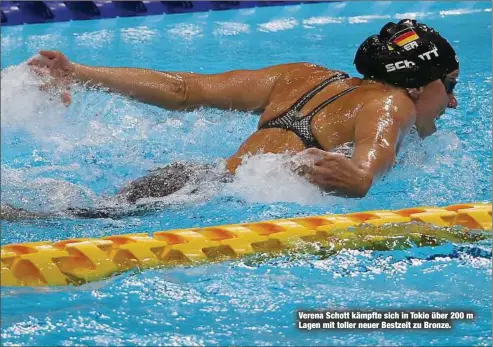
<point x="294" y="121"/>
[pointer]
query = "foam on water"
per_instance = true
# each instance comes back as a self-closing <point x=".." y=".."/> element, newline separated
<point x="25" y="106"/>
<point x="268" y="178"/>
<point x="43" y="193"/>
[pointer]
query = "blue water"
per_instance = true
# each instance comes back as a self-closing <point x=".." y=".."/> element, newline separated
<point x="55" y="157"/>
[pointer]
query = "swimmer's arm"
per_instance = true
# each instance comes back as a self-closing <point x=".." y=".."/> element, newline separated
<point x="377" y="134"/>
<point x="245" y="90"/>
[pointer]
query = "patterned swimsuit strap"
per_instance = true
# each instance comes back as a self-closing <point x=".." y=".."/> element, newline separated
<point x="328" y="101"/>
<point x="306" y="97"/>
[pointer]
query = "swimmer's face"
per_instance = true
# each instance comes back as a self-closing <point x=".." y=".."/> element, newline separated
<point x="432" y="102"/>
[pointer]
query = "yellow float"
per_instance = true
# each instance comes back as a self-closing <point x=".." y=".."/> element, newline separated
<point x="78" y="261"/>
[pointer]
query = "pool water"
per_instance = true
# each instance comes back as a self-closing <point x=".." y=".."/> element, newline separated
<point x="55" y="157"/>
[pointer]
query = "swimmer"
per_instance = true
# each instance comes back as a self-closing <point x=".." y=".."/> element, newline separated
<point x="409" y="74"/>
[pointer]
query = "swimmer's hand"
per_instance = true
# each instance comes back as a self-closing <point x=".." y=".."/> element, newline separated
<point x="335" y="172"/>
<point x="59" y="67"/>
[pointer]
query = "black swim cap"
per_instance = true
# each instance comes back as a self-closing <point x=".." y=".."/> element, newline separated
<point x="407" y="54"/>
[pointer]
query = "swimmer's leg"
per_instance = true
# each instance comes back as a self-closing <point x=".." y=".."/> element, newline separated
<point x="10" y="213"/>
<point x="159" y="183"/>
<point x="162" y="182"/>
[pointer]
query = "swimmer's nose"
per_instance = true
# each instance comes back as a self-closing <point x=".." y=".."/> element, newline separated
<point x="452" y="102"/>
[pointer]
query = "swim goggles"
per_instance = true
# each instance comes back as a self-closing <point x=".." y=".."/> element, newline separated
<point x="449" y="83"/>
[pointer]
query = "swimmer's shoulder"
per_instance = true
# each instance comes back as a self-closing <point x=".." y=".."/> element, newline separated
<point x="305" y="68"/>
<point x="304" y="73"/>
<point x="311" y="68"/>
<point x="382" y="102"/>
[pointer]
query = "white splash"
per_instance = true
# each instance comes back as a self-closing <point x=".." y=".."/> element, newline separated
<point x="10" y="42"/>
<point x="340" y="5"/>
<point x="42" y="194"/>
<point x="247" y="11"/>
<point x="365" y="19"/>
<point x="459" y="11"/>
<point x="138" y="34"/>
<point x="24" y="105"/>
<point x="186" y="31"/>
<point x="322" y="20"/>
<point x="38" y="42"/>
<point x="94" y="39"/>
<point x="278" y="25"/>
<point x="84" y="131"/>
<point x="412" y="15"/>
<point x="267" y="178"/>
<point x="231" y="28"/>
<point x="46" y="119"/>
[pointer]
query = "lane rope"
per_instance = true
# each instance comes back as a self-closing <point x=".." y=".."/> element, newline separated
<point x="83" y="260"/>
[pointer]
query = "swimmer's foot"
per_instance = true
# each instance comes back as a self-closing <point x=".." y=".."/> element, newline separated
<point x="10" y="213"/>
<point x="113" y="212"/>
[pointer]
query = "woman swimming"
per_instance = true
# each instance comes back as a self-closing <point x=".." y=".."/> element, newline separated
<point x="409" y="73"/>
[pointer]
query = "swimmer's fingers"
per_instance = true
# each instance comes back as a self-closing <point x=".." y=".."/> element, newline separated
<point x="321" y="176"/>
<point x="336" y="172"/>
<point x="301" y="170"/>
<point x="330" y="158"/>
<point x="36" y="62"/>
<point x="67" y="97"/>
<point x="39" y="70"/>
<point x="48" y="83"/>
<point x="45" y="58"/>
<point x="49" y="54"/>
<point x="53" y="84"/>
<point x="312" y="157"/>
<point x="57" y="63"/>
<point x="320" y="156"/>
<point x="314" y="151"/>
<point x="60" y="85"/>
<point x="43" y="72"/>
<point x="59" y="88"/>
<point x="40" y="62"/>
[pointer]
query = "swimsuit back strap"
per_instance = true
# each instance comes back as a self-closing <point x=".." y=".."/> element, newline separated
<point x="328" y="101"/>
<point x="305" y="98"/>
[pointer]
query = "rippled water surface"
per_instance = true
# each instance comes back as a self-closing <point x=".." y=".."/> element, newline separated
<point x="55" y="157"/>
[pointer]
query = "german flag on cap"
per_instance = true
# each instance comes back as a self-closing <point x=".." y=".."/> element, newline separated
<point x="405" y="38"/>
